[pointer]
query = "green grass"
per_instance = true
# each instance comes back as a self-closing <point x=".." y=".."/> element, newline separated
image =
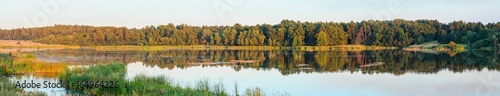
<point x="16" y="64"/>
<point x="6" y="61"/>
<point x="113" y="72"/>
<point x="141" y="85"/>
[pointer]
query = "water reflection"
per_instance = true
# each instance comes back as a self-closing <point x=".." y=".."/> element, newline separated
<point x="443" y="83"/>
<point x="288" y="62"/>
<point x="384" y="72"/>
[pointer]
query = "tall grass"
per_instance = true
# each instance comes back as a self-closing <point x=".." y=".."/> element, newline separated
<point x="140" y="85"/>
<point x="5" y="63"/>
<point x="113" y="72"/>
<point x="26" y="63"/>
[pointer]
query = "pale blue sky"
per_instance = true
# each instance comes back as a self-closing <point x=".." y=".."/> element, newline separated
<point x="139" y="13"/>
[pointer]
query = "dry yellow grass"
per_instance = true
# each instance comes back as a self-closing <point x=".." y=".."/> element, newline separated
<point x="14" y="50"/>
<point x="22" y="43"/>
<point x="13" y="46"/>
<point x="27" y="63"/>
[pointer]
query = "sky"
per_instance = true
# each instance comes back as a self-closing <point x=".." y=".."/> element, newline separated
<point x="140" y="13"/>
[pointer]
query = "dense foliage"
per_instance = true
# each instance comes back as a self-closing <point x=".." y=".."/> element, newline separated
<point x="396" y="32"/>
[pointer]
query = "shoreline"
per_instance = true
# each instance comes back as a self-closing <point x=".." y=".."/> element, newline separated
<point x="212" y="47"/>
<point x="17" y="45"/>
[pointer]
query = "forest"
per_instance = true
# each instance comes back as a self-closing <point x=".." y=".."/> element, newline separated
<point x="397" y="62"/>
<point x="397" y="32"/>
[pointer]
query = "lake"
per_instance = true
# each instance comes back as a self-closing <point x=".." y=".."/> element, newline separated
<point x="304" y="73"/>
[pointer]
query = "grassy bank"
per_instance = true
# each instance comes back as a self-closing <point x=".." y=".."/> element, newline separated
<point x="208" y="47"/>
<point x="18" y="63"/>
<point x="434" y="47"/>
<point x="140" y="85"/>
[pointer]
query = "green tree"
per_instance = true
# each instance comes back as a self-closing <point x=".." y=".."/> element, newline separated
<point x="420" y="40"/>
<point x="322" y="38"/>
<point x="204" y="37"/>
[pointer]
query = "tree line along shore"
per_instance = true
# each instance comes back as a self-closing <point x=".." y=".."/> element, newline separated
<point x="394" y="33"/>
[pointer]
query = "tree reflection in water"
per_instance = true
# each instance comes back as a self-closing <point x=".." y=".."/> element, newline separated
<point x="397" y="62"/>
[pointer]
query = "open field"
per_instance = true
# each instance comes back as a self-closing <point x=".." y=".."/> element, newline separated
<point x="30" y="44"/>
<point x="20" y="50"/>
<point x="15" y="46"/>
<point x="22" y="43"/>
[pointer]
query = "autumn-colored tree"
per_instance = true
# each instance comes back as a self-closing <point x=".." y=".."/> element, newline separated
<point x="322" y="38"/>
<point x="452" y="44"/>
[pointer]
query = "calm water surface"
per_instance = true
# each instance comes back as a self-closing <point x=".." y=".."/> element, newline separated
<point x="304" y="73"/>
